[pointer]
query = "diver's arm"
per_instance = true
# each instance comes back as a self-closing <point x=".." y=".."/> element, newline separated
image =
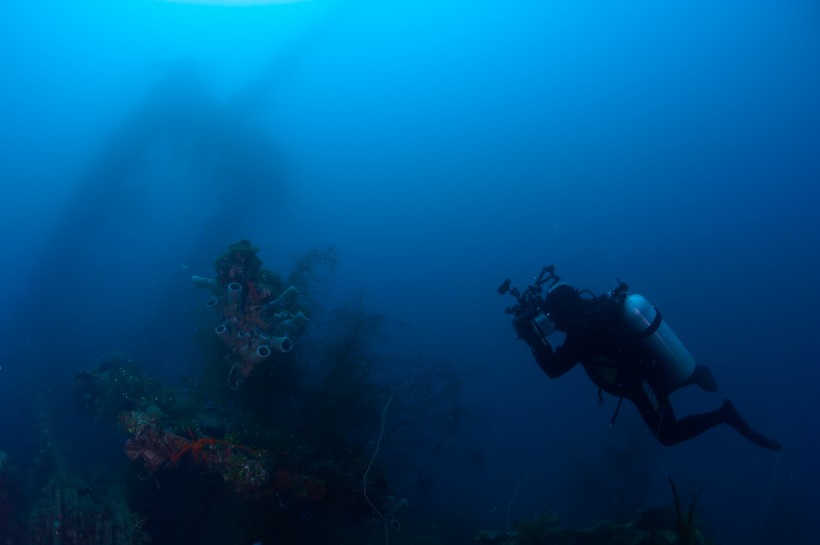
<point x="553" y="362"/>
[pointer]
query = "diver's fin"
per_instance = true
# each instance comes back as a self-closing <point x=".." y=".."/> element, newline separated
<point x="702" y="376"/>
<point x="733" y="418"/>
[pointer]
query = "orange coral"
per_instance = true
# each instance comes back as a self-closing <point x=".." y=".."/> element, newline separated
<point x="209" y="450"/>
<point x="195" y="448"/>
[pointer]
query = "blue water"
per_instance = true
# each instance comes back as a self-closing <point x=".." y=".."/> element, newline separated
<point x="440" y="147"/>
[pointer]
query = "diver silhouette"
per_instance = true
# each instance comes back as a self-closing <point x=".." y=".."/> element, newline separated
<point x="626" y="349"/>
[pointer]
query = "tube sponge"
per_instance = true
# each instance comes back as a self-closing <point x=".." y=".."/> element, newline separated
<point x="281" y="344"/>
<point x="234" y="292"/>
<point x="223" y="332"/>
<point x="261" y="352"/>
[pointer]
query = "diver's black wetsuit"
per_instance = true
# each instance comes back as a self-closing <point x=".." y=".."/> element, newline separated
<point x="613" y="359"/>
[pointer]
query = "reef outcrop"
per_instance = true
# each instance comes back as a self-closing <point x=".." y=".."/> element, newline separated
<point x="259" y="315"/>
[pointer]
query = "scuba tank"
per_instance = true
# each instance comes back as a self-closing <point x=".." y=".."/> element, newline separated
<point x="672" y="364"/>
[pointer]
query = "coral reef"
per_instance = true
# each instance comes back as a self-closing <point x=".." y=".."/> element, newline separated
<point x="118" y="385"/>
<point x="159" y="441"/>
<point x="246" y="469"/>
<point x="276" y="448"/>
<point x="66" y="505"/>
<point x="655" y="526"/>
<point x="69" y="511"/>
<point x="11" y="499"/>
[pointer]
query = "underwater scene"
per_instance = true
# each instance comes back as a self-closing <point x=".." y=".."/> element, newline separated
<point x="364" y="272"/>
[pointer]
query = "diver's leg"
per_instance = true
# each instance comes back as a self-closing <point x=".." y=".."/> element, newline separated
<point x="694" y="424"/>
<point x="658" y="415"/>
<point x="702" y="376"/>
<point x="670" y="431"/>
<point x="656" y="411"/>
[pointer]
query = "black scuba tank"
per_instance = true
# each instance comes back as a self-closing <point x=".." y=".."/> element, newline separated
<point x="672" y="363"/>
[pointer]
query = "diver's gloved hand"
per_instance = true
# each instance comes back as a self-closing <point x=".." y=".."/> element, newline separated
<point x="526" y="330"/>
<point x="530" y="333"/>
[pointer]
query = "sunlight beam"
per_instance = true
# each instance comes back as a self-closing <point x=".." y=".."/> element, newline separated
<point x="234" y="3"/>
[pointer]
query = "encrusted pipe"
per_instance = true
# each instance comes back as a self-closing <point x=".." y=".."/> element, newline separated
<point x="281" y="344"/>
<point x="295" y="325"/>
<point x="285" y="298"/>
<point x="206" y="283"/>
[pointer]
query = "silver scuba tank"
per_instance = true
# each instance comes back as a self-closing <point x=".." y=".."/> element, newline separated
<point x="672" y="364"/>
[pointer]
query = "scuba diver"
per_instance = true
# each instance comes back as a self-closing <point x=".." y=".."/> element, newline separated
<point x="626" y="349"/>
